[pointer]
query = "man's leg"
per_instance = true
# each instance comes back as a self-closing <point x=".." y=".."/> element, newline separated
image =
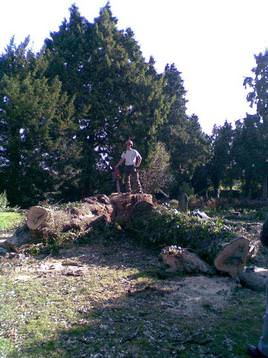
<point x="137" y="179"/>
<point x="127" y="178"/>
<point x="128" y="184"/>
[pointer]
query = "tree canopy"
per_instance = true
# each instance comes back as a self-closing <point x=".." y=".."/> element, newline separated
<point x="66" y="112"/>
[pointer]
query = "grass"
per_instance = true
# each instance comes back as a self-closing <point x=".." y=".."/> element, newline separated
<point x="118" y="305"/>
<point x="9" y="219"/>
<point x="112" y="298"/>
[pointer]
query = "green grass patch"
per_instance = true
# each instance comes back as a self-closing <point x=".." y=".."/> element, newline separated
<point x="9" y="220"/>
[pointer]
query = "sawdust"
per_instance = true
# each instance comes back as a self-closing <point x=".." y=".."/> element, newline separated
<point x="195" y="296"/>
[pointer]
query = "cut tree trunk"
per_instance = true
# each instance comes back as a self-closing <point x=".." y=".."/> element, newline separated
<point x="126" y="205"/>
<point x="38" y="217"/>
<point x="81" y="218"/>
<point x="230" y="258"/>
<point x="50" y="222"/>
<point x="233" y="257"/>
<point x="227" y="256"/>
<point x="182" y="260"/>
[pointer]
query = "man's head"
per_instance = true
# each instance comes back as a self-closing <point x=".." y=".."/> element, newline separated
<point x="129" y="144"/>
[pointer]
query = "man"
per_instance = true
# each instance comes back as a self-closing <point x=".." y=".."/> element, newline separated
<point x="132" y="159"/>
<point x="262" y="349"/>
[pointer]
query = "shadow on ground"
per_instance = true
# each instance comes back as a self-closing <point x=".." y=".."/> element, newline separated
<point x="130" y="307"/>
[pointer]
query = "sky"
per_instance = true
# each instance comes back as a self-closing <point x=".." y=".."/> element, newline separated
<point x="211" y="42"/>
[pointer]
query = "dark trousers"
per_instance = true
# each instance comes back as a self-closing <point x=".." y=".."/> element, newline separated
<point x="130" y="170"/>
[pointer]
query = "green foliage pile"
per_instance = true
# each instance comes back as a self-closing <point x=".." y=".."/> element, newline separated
<point x="163" y="227"/>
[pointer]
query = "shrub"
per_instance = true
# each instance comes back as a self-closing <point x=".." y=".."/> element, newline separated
<point x="157" y="174"/>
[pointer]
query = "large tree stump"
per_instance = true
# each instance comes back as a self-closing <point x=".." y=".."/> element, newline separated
<point x="126" y="205"/>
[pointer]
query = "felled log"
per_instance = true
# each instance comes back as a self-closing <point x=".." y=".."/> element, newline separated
<point x="182" y="260"/>
<point x="161" y="227"/>
<point x="228" y="256"/>
<point x="254" y="278"/>
<point x="38" y="217"/>
<point x="233" y="257"/>
<point x="82" y="217"/>
<point x="50" y="221"/>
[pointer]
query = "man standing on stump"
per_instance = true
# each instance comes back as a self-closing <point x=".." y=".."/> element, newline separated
<point x="132" y="159"/>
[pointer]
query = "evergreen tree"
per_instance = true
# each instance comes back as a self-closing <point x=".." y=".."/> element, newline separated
<point x="69" y="52"/>
<point x="184" y="139"/>
<point x="16" y="59"/>
<point x="118" y="95"/>
<point x="248" y="154"/>
<point x="258" y="95"/>
<point x="39" y="154"/>
<point x="220" y="162"/>
<point x="201" y="181"/>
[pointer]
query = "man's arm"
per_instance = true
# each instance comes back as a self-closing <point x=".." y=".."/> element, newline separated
<point x="121" y="161"/>
<point x="138" y="160"/>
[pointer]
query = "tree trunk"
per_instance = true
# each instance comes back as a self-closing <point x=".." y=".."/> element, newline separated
<point x="229" y="256"/>
<point x="233" y="257"/>
<point x="48" y="222"/>
<point x="182" y="260"/>
<point x="51" y="222"/>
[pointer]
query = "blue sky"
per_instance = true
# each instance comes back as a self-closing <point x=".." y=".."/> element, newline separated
<point x="212" y="42"/>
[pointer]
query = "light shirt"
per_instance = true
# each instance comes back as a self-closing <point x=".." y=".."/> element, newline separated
<point x="131" y="156"/>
